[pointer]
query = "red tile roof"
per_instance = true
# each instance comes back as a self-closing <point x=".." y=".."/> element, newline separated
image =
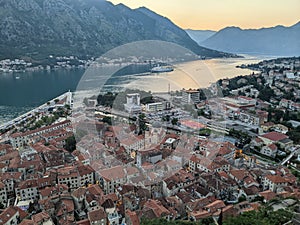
<point x="200" y="214"/>
<point x="7" y="214"/>
<point x="276" y="179"/>
<point x="133" y="217"/>
<point x="41" y="217"/>
<point x="27" y="222"/>
<point x="158" y="209"/>
<point x="97" y="215"/>
<point x="273" y="147"/>
<point x="268" y="195"/>
<point x="113" y="173"/>
<point x="275" y="136"/>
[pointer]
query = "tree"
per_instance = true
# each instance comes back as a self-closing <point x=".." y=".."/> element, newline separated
<point x="266" y="93"/>
<point x="70" y="144"/>
<point x="142" y="123"/>
<point x="242" y="198"/>
<point x="174" y="121"/>
<point x="264" y="216"/>
<point x="107" y="120"/>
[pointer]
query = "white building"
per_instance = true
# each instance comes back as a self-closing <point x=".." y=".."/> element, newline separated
<point x="274" y="183"/>
<point x="76" y="176"/>
<point x="27" y="190"/>
<point x="112" y="178"/>
<point x="19" y="140"/>
<point x="190" y="96"/>
<point x="3" y="194"/>
<point x="133" y="104"/>
<point x="157" y="106"/>
<point x="270" y="150"/>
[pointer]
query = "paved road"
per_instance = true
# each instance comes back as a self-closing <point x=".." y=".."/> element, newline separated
<point x="289" y="157"/>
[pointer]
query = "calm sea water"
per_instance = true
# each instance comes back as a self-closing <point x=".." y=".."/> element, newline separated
<point x="20" y="92"/>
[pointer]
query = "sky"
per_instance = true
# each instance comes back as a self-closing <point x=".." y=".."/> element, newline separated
<point x="217" y="14"/>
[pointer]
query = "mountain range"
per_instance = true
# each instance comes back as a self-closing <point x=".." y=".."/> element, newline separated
<point x="276" y="41"/>
<point x="200" y="35"/>
<point x="39" y="28"/>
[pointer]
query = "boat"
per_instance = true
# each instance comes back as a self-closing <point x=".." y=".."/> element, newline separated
<point x="162" y="69"/>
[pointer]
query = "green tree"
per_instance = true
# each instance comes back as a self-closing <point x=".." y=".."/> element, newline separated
<point x="264" y="216"/>
<point x="242" y="198"/>
<point x="70" y="144"/>
<point x="266" y="93"/>
<point x="174" y="121"/>
<point x="107" y="120"/>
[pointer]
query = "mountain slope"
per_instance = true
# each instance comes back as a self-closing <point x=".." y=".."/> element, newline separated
<point x="38" y="28"/>
<point x="200" y="35"/>
<point x="277" y="40"/>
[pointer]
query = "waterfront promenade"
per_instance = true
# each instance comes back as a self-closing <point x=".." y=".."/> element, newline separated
<point x="55" y="102"/>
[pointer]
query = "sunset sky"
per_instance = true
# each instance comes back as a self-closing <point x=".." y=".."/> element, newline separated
<point x="217" y="14"/>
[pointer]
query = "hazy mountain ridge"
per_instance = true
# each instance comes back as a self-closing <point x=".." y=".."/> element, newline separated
<point x="37" y="28"/>
<point x="200" y="35"/>
<point x="277" y="40"/>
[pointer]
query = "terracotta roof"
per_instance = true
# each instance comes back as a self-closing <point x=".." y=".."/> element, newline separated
<point x="83" y="222"/>
<point x="48" y="191"/>
<point x="200" y="214"/>
<point x="239" y="174"/>
<point x="224" y="151"/>
<point x="85" y="170"/>
<point x="198" y="204"/>
<point x="97" y="215"/>
<point x="179" y="177"/>
<point x="5" y="147"/>
<point x="22" y="213"/>
<point x="28" y="184"/>
<point x="275" y="136"/>
<point x="41" y="217"/>
<point x="7" y="214"/>
<point x="79" y="192"/>
<point x="214" y="206"/>
<point x="228" y="211"/>
<point x="158" y="209"/>
<point x="258" y="140"/>
<point x="276" y="179"/>
<point x="66" y="205"/>
<point x="223" y="174"/>
<point x="273" y="147"/>
<point x="268" y="124"/>
<point x="253" y="190"/>
<point x="95" y="190"/>
<point x="268" y="195"/>
<point x="112" y="196"/>
<point x="133" y="217"/>
<point x="113" y="173"/>
<point x="28" y="222"/>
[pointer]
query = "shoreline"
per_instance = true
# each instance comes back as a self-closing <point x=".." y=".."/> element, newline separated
<point x="34" y="110"/>
<point x="62" y="68"/>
